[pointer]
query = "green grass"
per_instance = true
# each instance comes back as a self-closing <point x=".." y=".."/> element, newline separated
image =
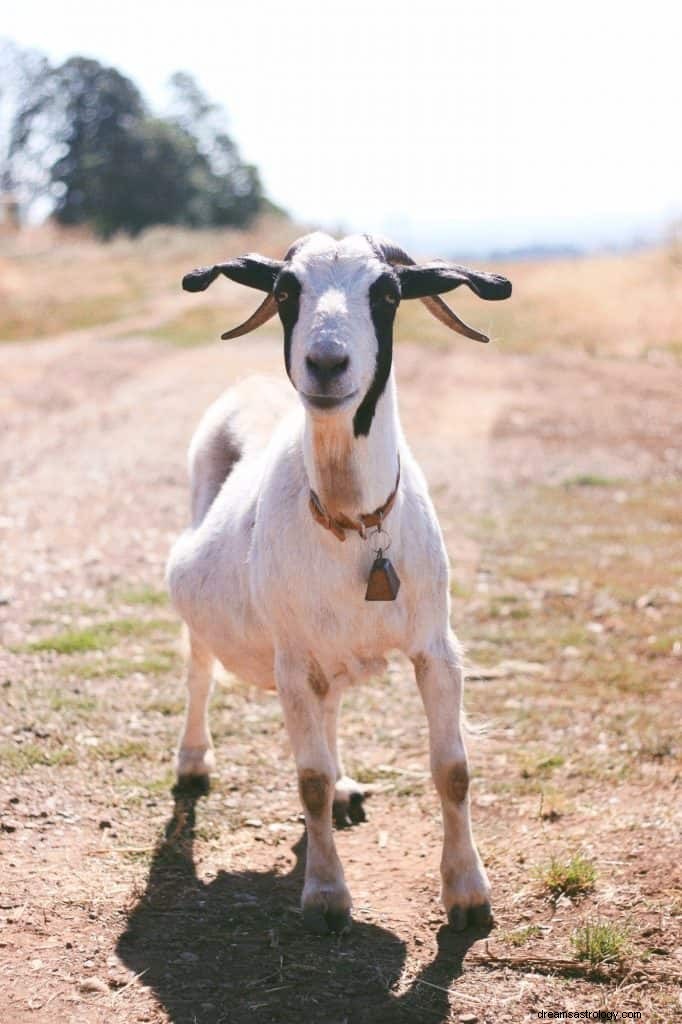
<point x="61" y="701"/>
<point x="573" y="877"/>
<point x="541" y="767"/>
<point x="100" y="636"/>
<point x="29" y="755"/>
<point x="196" y="326"/>
<point x="589" y="480"/>
<point x="122" y="750"/>
<point x="144" y="595"/>
<point x="600" y="942"/>
<point x="520" y="936"/>
<point x="157" y="663"/>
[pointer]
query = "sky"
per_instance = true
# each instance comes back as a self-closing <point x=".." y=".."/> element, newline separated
<point x="475" y="125"/>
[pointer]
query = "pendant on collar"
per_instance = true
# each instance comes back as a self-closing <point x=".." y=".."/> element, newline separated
<point x="383" y="583"/>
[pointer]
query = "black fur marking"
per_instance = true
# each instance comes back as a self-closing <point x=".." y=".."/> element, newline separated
<point x="434" y="278"/>
<point x="288" y="310"/>
<point x="384" y="296"/>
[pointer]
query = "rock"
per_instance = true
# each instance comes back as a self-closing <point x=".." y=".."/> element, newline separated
<point x="93" y="984"/>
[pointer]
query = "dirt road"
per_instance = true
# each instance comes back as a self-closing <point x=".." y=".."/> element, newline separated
<point x="121" y="906"/>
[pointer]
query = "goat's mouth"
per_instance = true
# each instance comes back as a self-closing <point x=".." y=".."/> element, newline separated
<point x="327" y="401"/>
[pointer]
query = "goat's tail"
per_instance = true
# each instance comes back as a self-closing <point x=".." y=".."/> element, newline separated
<point x="213" y="453"/>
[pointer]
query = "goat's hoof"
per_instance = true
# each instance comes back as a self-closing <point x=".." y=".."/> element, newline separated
<point x="194" y="763"/>
<point x="348" y="806"/>
<point x="480" y="916"/>
<point x="322" y="921"/>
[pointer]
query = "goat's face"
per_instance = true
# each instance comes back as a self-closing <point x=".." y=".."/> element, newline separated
<point x="337" y="302"/>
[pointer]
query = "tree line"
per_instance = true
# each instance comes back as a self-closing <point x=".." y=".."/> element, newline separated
<point x="79" y="140"/>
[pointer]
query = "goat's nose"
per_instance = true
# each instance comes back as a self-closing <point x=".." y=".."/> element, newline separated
<point x="327" y="360"/>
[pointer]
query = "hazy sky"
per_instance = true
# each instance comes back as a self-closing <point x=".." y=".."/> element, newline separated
<point x="472" y="123"/>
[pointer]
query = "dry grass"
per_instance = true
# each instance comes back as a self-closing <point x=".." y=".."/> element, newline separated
<point x="628" y="306"/>
<point x="121" y="903"/>
<point x="53" y="280"/>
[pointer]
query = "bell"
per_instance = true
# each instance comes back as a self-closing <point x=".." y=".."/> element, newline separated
<point x="383" y="583"/>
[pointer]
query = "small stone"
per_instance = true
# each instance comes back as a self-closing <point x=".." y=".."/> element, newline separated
<point x="104" y="824"/>
<point x="467" y="1018"/>
<point x="254" y="823"/>
<point x="190" y="958"/>
<point x="93" y="984"/>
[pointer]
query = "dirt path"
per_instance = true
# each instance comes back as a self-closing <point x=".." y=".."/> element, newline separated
<point x="107" y="920"/>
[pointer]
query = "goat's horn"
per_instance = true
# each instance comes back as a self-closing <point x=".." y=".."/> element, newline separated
<point x="265" y="312"/>
<point x="440" y="309"/>
<point x="394" y="255"/>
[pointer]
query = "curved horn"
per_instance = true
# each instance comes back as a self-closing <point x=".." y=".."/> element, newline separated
<point x="395" y="256"/>
<point x="440" y="309"/>
<point x="265" y="312"/>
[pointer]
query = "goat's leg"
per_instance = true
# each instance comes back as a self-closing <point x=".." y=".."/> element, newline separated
<point x="466" y="891"/>
<point x="349" y="795"/>
<point x="326" y="900"/>
<point x="195" y="754"/>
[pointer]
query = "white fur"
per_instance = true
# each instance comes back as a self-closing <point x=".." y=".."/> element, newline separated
<point x="274" y="596"/>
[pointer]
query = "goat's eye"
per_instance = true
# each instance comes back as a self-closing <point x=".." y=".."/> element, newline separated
<point x="391" y="299"/>
<point x="282" y="296"/>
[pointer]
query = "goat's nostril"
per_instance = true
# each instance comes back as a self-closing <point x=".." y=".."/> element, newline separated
<point x="326" y="365"/>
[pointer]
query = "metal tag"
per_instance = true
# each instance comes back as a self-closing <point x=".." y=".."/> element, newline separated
<point x="383" y="583"/>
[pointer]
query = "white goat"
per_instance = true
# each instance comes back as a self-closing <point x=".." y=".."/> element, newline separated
<point x="261" y="578"/>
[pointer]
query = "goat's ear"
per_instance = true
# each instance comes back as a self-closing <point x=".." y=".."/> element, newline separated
<point x="418" y="282"/>
<point x="252" y="270"/>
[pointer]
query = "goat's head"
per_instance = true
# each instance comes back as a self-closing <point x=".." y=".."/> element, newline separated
<point x="337" y="302"/>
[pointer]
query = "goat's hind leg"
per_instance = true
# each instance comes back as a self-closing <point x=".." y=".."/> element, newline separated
<point x="195" y="754"/>
<point x="349" y="795"/>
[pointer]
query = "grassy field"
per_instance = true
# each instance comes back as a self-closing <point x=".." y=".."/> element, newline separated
<point x="554" y="462"/>
<point x="607" y="305"/>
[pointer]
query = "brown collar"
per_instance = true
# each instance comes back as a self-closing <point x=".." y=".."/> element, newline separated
<point x="342" y="522"/>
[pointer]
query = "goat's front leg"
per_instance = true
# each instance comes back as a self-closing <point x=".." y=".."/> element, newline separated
<point x="326" y="900"/>
<point x="466" y="891"/>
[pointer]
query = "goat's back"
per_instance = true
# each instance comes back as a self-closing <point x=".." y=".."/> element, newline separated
<point x="240" y="421"/>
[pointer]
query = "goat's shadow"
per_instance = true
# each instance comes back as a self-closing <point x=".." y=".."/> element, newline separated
<point x="233" y="949"/>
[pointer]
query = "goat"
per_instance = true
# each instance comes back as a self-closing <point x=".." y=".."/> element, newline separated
<point x="284" y="575"/>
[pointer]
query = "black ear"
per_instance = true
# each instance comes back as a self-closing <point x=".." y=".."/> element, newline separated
<point x="252" y="270"/>
<point x="417" y="282"/>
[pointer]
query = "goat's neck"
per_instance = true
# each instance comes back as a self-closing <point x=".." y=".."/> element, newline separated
<point x="349" y="474"/>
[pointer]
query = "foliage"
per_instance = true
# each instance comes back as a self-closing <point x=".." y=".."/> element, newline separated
<point x="569" y="878"/>
<point x="600" y="942"/>
<point x="81" y="137"/>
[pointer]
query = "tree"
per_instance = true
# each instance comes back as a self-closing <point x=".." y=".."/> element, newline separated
<point x="102" y="159"/>
<point x="22" y="174"/>
<point x="228" y="191"/>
